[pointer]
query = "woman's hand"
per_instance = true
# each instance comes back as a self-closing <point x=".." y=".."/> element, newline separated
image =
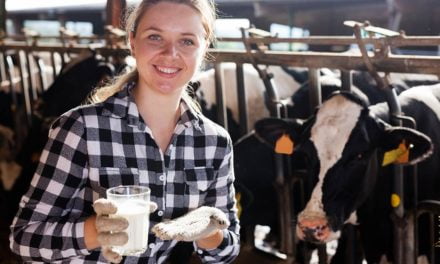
<point x="202" y="225"/>
<point x="90" y="233"/>
<point x="109" y="230"/>
<point x="211" y="241"/>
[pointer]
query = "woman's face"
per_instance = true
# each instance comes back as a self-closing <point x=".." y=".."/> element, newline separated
<point x="168" y="46"/>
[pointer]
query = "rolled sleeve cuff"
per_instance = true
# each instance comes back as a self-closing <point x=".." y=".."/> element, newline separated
<point x="224" y="253"/>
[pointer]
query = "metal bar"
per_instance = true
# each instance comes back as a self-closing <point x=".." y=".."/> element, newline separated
<point x="2" y="67"/>
<point x="241" y="98"/>
<point x="347" y="80"/>
<point x="315" y="97"/>
<point x="394" y="63"/>
<point x="428" y="206"/>
<point x="433" y="208"/>
<point x="382" y="83"/>
<point x="23" y="37"/>
<point x="415" y="202"/>
<point x="42" y="80"/>
<point x="397" y="188"/>
<point x="397" y="41"/>
<point x="25" y="90"/>
<point x="220" y="97"/>
<point x="54" y="68"/>
<point x="31" y="86"/>
<point x="10" y="73"/>
<point x="432" y="237"/>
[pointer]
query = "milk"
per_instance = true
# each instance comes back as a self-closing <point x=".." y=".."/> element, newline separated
<point x="137" y="214"/>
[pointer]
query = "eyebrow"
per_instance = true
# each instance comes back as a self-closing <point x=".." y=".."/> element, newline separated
<point x="160" y="30"/>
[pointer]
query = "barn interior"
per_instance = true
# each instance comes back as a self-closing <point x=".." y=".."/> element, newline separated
<point x="66" y="29"/>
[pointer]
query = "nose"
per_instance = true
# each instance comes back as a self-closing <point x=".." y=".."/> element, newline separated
<point x="170" y="50"/>
<point x="315" y="230"/>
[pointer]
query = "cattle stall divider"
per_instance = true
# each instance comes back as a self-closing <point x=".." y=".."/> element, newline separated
<point x="345" y="62"/>
<point x="282" y="184"/>
<point x="398" y="216"/>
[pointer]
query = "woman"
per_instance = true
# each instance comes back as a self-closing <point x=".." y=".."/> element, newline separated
<point x="142" y="130"/>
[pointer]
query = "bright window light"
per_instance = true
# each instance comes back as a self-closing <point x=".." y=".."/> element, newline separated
<point x="230" y="28"/>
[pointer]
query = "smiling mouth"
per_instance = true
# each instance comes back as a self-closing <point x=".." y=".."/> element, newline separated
<point x="168" y="71"/>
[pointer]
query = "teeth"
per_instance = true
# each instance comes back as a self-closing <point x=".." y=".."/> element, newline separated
<point x="167" y="70"/>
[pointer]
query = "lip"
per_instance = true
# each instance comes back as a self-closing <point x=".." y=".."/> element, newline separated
<point x="167" y="72"/>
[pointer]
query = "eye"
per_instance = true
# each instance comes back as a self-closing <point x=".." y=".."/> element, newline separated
<point x="361" y="155"/>
<point x="188" y="42"/>
<point x="154" y="37"/>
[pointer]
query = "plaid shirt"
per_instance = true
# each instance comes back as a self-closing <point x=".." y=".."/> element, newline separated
<point x="94" y="147"/>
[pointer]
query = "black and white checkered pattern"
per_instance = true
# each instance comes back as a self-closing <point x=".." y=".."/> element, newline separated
<point x="92" y="148"/>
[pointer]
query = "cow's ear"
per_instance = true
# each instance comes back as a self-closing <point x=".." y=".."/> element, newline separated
<point x="279" y="134"/>
<point x="405" y="146"/>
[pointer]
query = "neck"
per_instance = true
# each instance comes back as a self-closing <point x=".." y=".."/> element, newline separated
<point x="160" y="111"/>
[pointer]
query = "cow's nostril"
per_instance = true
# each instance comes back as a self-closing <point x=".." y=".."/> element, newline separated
<point x="315" y="234"/>
<point x="310" y="235"/>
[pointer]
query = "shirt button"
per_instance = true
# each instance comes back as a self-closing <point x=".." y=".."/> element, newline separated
<point x="151" y="245"/>
<point x="162" y="177"/>
<point x="159" y="213"/>
<point x="200" y="251"/>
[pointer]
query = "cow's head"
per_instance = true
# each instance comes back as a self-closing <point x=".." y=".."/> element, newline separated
<point x="343" y="146"/>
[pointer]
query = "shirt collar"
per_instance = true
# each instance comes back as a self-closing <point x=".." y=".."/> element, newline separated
<point x="188" y="115"/>
<point x="122" y="105"/>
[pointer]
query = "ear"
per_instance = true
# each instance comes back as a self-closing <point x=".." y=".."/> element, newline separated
<point x="279" y="134"/>
<point x="131" y="41"/>
<point x="405" y="146"/>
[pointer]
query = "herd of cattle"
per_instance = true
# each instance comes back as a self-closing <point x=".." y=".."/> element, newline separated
<point x="341" y="144"/>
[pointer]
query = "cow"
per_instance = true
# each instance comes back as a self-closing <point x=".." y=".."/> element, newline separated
<point x="254" y="167"/>
<point x="346" y="147"/>
<point x="71" y="88"/>
<point x="286" y="82"/>
<point x="291" y="85"/>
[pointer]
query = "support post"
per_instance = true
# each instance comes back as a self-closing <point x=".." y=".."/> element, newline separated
<point x="3" y="16"/>
<point x="115" y="10"/>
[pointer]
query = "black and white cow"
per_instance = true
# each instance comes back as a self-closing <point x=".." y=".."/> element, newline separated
<point x="346" y="146"/>
<point x="286" y="82"/>
<point x="69" y="90"/>
<point x="291" y="85"/>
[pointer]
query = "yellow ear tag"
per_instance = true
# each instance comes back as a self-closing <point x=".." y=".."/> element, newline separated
<point x="284" y="145"/>
<point x="395" y="200"/>
<point x="398" y="155"/>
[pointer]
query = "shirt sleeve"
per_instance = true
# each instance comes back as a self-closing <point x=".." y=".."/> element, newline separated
<point x="49" y="225"/>
<point x="222" y="196"/>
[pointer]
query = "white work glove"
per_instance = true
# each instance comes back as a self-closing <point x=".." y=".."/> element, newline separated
<point x="192" y="226"/>
<point x="111" y="229"/>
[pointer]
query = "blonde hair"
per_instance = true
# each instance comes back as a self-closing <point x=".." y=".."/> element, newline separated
<point x="207" y="11"/>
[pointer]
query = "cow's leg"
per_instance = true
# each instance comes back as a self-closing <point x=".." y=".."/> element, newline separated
<point x="349" y="249"/>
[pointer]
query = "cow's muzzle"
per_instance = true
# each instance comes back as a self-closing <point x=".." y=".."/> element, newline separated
<point x="315" y="230"/>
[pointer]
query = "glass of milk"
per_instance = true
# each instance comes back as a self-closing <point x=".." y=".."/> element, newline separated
<point x="133" y="203"/>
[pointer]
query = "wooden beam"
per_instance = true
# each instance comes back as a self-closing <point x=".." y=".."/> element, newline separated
<point x="115" y="11"/>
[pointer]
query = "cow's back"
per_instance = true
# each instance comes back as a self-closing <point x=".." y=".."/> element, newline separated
<point x="422" y="103"/>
